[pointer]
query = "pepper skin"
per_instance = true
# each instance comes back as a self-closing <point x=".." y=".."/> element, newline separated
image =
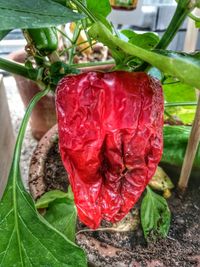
<point x="110" y="138"/>
<point x="45" y="40"/>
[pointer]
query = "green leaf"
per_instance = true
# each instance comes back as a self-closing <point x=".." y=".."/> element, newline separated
<point x="100" y="10"/>
<point x="175" y="144"/>
<point x="49" y="197"/>
<point x="27" y="239"/>
<point x="102" y="7"/>
<point x="25" y="14"/>
<point x="62" y="214"/>
<point x="185" y="68"/>
<point x="146" y="40"/>
<point x="155" y="215"/>
<point x="176" y="92"/>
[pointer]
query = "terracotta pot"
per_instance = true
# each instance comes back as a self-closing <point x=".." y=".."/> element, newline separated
<point x="43" y="116"/>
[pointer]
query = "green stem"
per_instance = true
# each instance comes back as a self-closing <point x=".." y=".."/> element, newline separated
<point x="76" y="34"/>
<point x="93" y="64"/>
<point x="84" y="10"/>
<point x="182" y="10"/>
<point x="89" y="46"/>
<point x="20" y="137"/>
<point x="177" y="104"/>
<point x="16" y="68"/>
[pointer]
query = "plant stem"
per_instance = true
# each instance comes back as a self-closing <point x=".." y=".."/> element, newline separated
<point x="18" y="69"/>
<point x="84" y="10"/>
<point x="76" y="34"/>
<point x="177" y="104"/>
<point x="182" y="10"/>
<point x="20" y="137"/>
<point x="191" y="150"/>
<point x="93" y="64"/>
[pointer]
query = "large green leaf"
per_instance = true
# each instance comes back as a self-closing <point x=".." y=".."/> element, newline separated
<point x="155" y="215"/>
<point x="33" y="14"/>
<point x="27" y="239"/>
<point x="185" y="68"/>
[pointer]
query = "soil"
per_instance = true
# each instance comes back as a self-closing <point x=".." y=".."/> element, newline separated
<point x="181" y="247"/>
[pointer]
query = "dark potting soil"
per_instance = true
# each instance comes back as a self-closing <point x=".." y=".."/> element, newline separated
<point x="181" y="248"/>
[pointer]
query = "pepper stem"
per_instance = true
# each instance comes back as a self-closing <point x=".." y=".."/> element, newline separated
<point x="191" y="150"/>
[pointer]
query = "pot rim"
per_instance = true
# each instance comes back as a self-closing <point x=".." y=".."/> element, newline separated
<point x="36" y="169"/>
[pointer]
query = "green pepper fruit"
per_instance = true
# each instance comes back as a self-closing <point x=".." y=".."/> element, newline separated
<point x="45" y="40"/>
<point x="175" y="144"/>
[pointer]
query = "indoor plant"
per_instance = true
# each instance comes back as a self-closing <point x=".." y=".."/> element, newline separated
<point x="19" y="218"/>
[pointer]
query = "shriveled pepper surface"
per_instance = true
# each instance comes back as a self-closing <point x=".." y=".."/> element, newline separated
<point x="110" y="138"/>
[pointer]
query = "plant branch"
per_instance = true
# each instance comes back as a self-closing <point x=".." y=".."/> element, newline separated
<point x="182" y="10"/>
<point x="182" y="104"/>
<point x="20" y="137"/>
<point x="93" y="64"/>
<point x="84" y="10"/>
<point x="16" y="68"/>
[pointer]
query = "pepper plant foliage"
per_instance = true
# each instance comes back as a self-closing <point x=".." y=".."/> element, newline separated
<point x="25" y="236"/>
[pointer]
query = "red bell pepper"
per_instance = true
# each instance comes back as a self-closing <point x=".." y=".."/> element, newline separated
<point x="110" y="138"/>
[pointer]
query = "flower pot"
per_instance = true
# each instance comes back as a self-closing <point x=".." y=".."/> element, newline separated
<point x="43" y="116"/>
<point x="127" y="249"/>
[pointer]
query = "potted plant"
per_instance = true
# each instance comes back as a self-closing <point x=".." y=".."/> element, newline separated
<point x="110" y="138"/>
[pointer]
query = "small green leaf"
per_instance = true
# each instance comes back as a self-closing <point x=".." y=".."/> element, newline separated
<point x="102" y="7"/>
<point x="27" y="239"/>
<point x="62" y="214"/>
<point x="25" y="14"/>
<point x="155" y="215"/>
<point x="146" y="40"/>
<point x="100" y="10"/>
<point x="49" y="197"/>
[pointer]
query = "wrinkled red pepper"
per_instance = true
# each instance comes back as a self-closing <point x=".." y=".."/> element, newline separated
<point x="110" y="137"/>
